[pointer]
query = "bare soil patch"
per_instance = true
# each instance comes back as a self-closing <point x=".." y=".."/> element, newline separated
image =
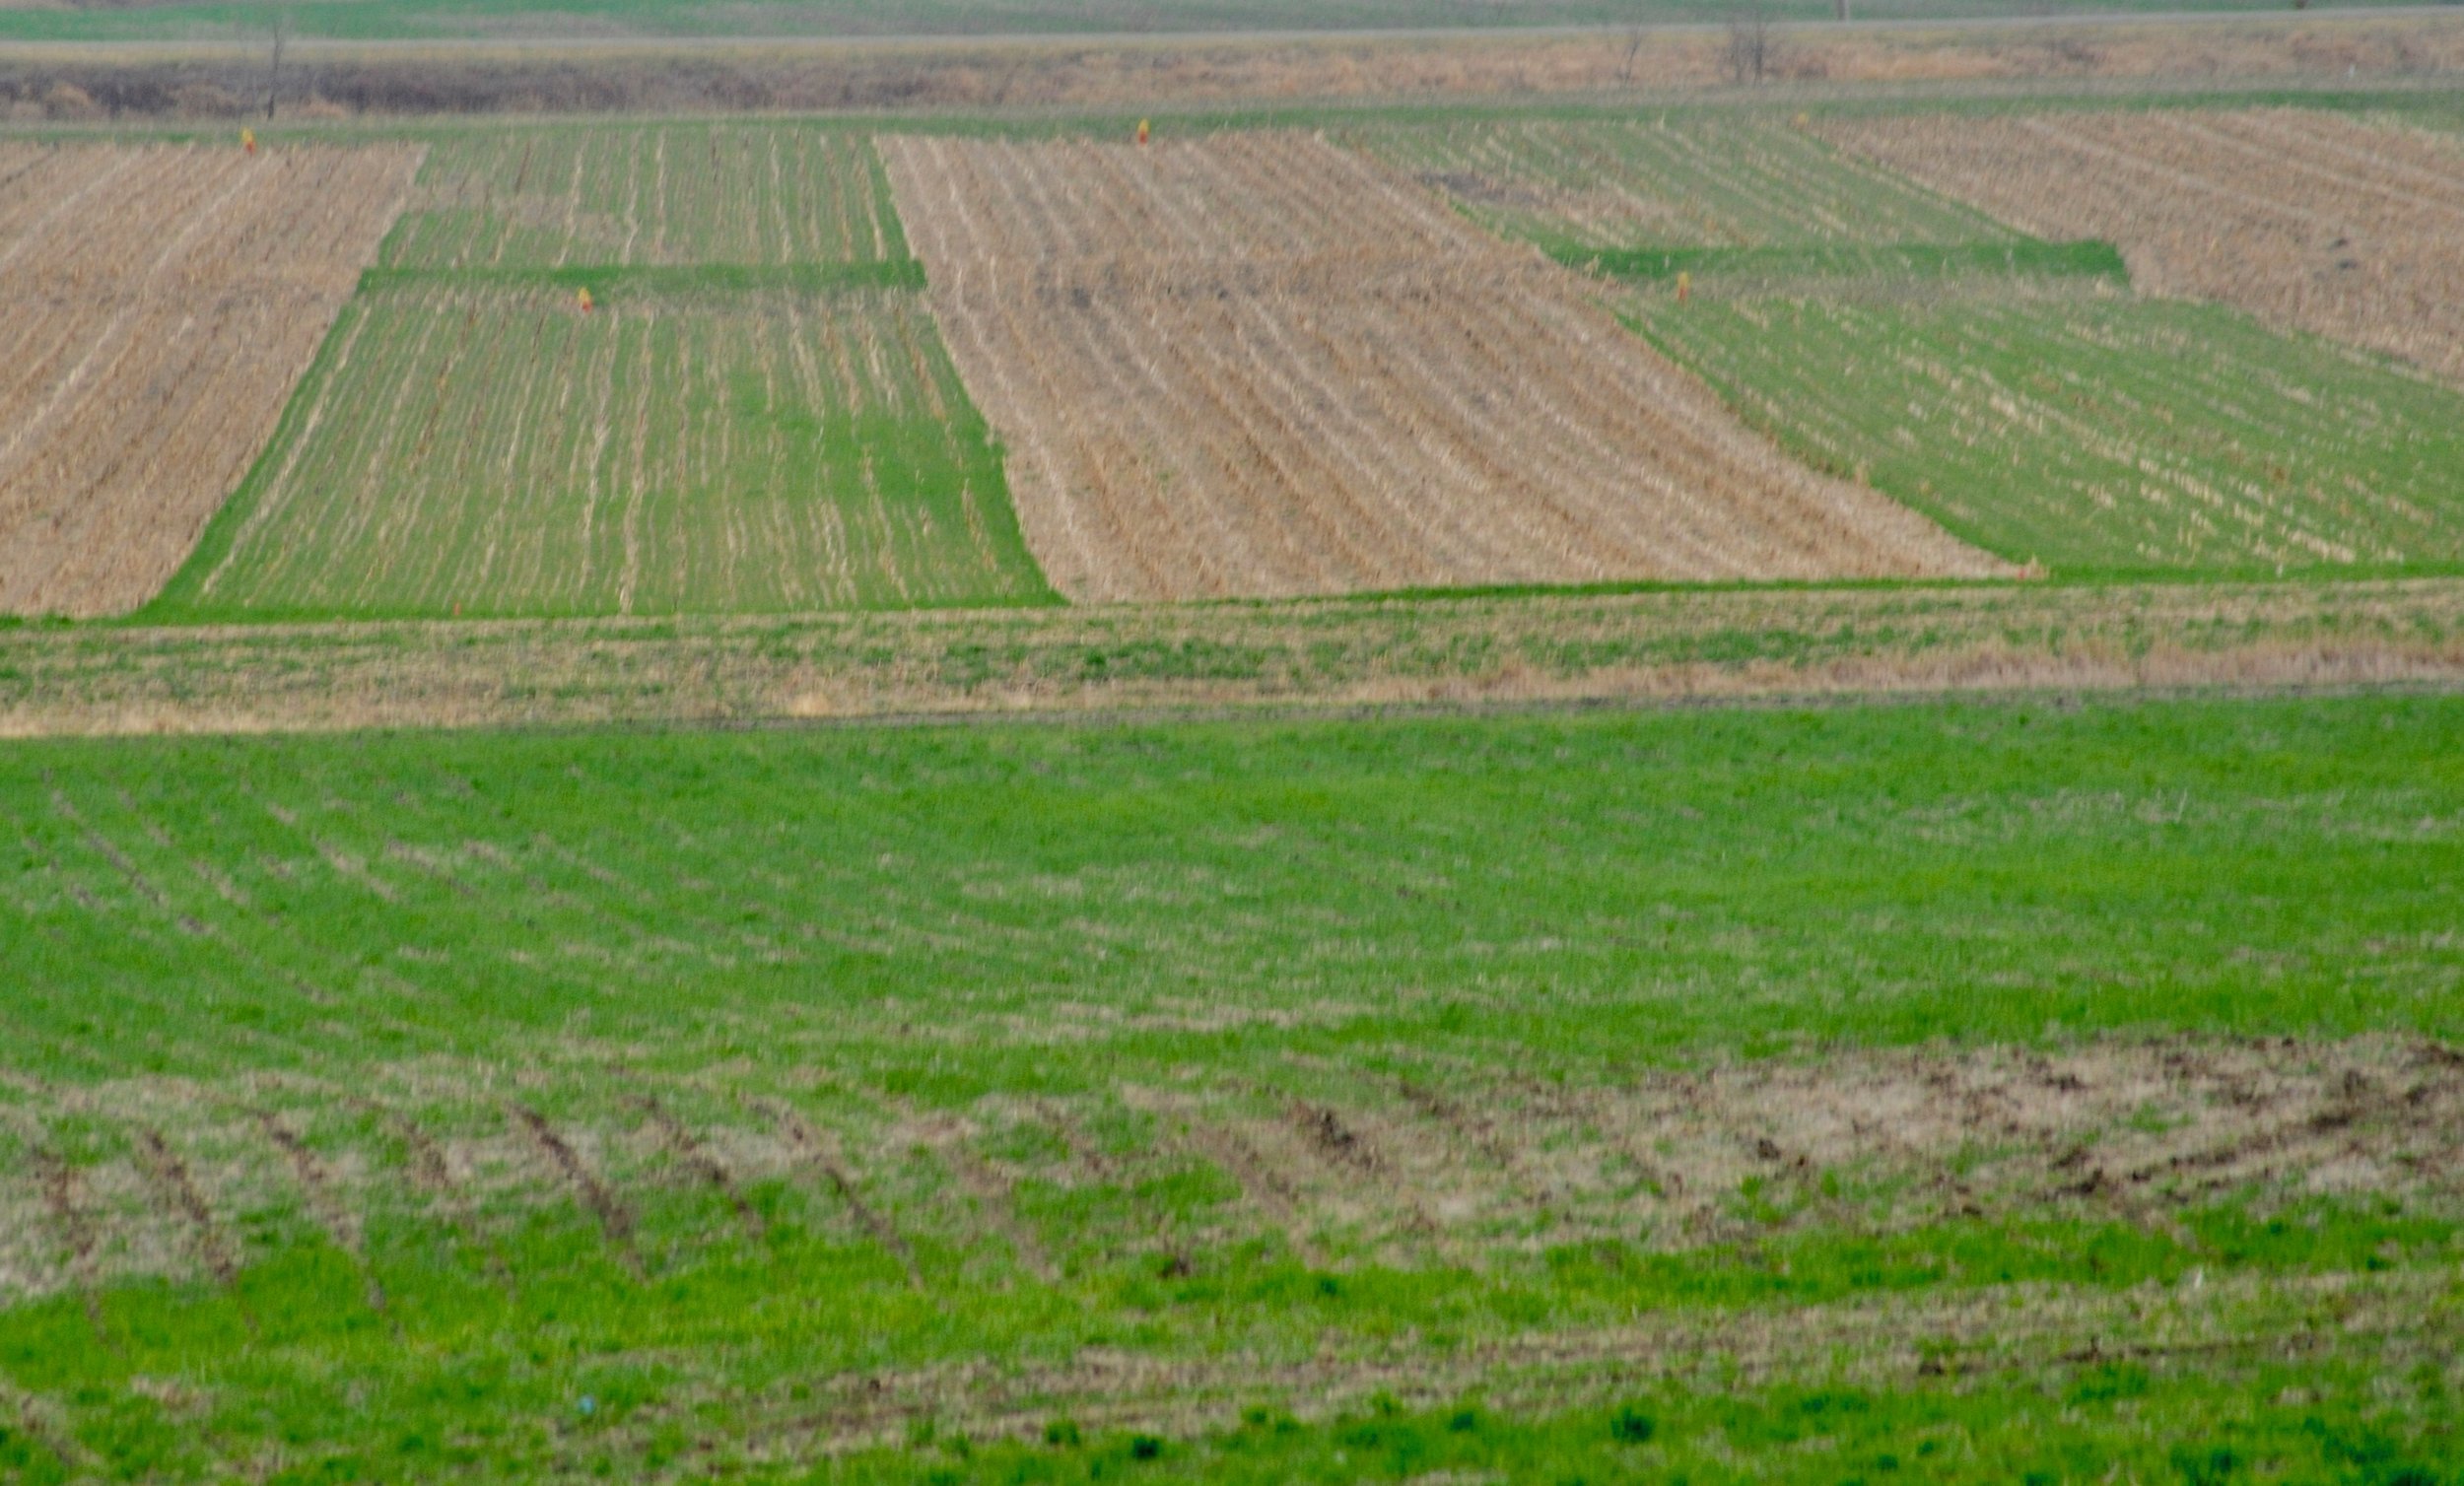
<point x="158" y="303"/>
<point x="2310" y="221"/>
<point x="1260" y="366"/>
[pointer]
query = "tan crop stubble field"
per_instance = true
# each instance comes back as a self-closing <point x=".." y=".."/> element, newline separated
<point x="2309" y="219"/>
<point x="157" y="306"/>
<point x="1257" y="365"/>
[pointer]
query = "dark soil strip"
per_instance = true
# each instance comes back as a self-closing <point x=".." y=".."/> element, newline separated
<point x="317" y="1185"/>
<point x="614" y="1218"/>
<point x="697" y="1158"/>
<point x="179" y="1191"/>
<point x="63" y="1197"/>
<point x="814" y="1150"/>
<point x="1264" y="1188"/>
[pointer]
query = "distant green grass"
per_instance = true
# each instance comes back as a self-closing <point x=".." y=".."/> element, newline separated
<point x="2093" y="433"/>
<point x="756" y="416"/>
<point x="1908" y="263"/>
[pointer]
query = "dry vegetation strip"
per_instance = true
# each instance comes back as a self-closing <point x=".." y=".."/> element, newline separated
<point x="157" y="306"/>
<point x="2310" y="221"/>
<point x="1471" y="650"/>
<point x="804" y="75"/>
<point x="2137" y="1130"/>
<point x="1260" y="366"/>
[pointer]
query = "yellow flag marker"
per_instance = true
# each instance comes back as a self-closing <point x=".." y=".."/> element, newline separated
<point x="582" y="298"/>
<point x="1684" y="286"/>
<point x="248" y="140"/>
<point x="1141" y="131"/>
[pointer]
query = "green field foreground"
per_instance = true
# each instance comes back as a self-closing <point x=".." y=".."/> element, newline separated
<point x="1950" y="1091"/>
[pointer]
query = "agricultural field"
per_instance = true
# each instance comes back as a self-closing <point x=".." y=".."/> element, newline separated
<point x="754" y="413"/>
<point x="605" y="195"/>
<point x="2044" y="398"/>
<point x="1991" y="1089"/>
<point x="1575" y="186"/>
<point x="498" y="452"/>
<point x="2308" y="220"/>
<point x="2090" y="430"/>
<point x="157" y="306"/>
<point x="1256" y="365"/>
<point x="1399" y="797"/>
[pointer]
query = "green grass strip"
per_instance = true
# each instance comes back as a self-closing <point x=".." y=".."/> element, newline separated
<point x="2087" y="259"/>
<point x="612" y="281"/>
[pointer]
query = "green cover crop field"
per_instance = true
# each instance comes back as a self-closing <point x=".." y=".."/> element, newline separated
<point x="495" y="451"/>
<point x="754" y="413"/>
<point x="614" y="195"/>
<point x="1035" y="1105"/>
<point x="2090" y="430"/>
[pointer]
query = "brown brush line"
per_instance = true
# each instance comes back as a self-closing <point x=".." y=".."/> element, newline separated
<point x="1265" y="1189"/>
<point x="178" y="1188"/>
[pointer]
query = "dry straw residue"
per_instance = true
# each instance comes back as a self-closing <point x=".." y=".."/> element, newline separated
<point x="2308" y="220"/>
<point x="158" y="303"/>
<point x="1257" y="365"/>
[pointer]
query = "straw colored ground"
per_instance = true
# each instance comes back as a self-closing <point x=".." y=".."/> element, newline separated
<point x="1256" y="364"/>
<point x="157" y="306"/>
<point x="2308" y="220"/>
<point x="1983" y="1090"/>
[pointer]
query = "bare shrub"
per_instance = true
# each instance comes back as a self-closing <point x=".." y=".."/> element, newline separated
<point x="67" y="100"/>
<point x="1747" y="59"/>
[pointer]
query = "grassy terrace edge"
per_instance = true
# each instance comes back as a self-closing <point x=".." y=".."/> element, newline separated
<point x="1462" y="650"/>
